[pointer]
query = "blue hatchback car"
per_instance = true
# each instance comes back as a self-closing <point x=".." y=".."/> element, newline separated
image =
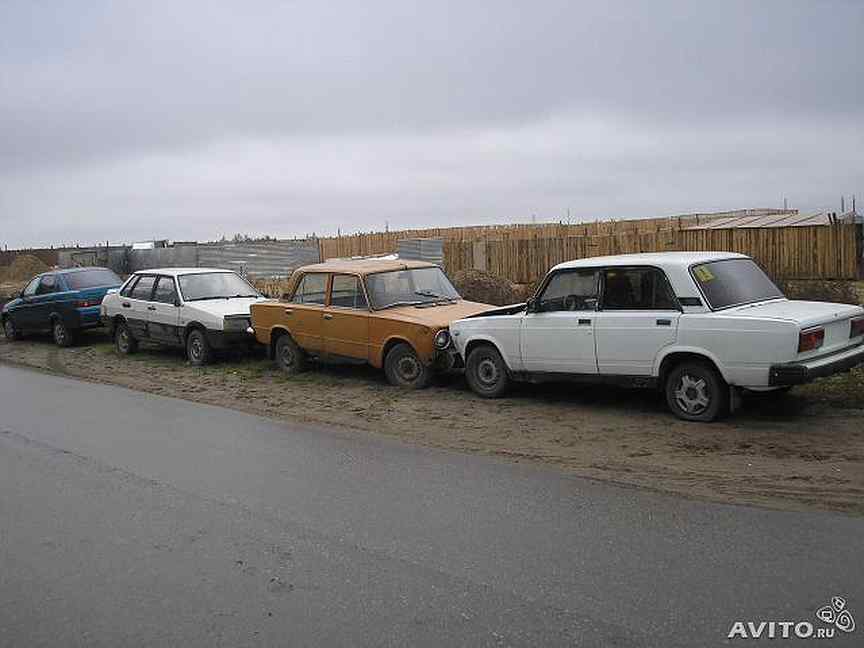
<point x="61" y="301"/>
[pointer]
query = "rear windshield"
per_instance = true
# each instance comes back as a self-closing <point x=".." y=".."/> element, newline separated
<point x="733" y="282"/>
<point x="92" y="279"/>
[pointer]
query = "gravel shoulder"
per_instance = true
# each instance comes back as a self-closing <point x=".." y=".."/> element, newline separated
<point x="801" y="451"/>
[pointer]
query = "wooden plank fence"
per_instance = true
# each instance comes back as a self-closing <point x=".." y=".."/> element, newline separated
<point x="818" y="252"/>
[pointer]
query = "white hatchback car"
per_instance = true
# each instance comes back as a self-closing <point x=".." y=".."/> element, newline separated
<point x="199" y="309"/>
<point x="699" y="325"/>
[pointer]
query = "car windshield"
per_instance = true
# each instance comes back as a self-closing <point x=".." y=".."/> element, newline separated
<point x="92" y="279"/>
<point x="733" y="282"/>
<point x="214" y="285"/>
<point x="415" y="286"/>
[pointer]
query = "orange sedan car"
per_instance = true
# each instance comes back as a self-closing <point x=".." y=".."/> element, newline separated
<point x="393" y="314"/>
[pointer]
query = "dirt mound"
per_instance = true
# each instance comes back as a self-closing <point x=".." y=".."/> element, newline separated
<point x="23" y="268"/>
<point x="843" y="292"/>
<point x="479" y="286"/>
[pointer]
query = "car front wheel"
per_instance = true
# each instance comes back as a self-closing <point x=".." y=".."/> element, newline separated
<point x="695" y="391"/>
<point x="10" y="331"/>
<point x="198" y="349"/>
<point x="289" y="357"/>
<point x="486" y="372"/>
<point x="405" y="369"/>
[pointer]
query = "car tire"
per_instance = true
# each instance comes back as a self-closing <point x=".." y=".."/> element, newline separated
<point x="198" y="349"/>
<point x="290" y="358"/>
<point x="63" y="337"/>
<point x="123" y="340"/>
<point x="405" y="369"/>
<point x="10" y="331"/>
<point x="695" y="391"/>
<point x="486" y="372"/>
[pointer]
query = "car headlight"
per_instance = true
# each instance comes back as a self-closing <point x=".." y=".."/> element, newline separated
<point x="236" y="323"/>
<point x="442" y="339"/>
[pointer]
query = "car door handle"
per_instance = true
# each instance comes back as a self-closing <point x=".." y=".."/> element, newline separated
<point x="328" y="316"/>
<point x="151" y="308"/>
<point x="584" y="322"/>
<point x="126" y="305"/>
<point x="288" y="311"/>
<point x="664" y="322"/>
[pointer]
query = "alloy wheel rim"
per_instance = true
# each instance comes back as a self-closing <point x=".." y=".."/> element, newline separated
<point x="123" y="339"/>
<point x="487" y="372"/>
<point x="195" y="349"/>
<point x="9" y="329"/>
<point x="59" y="332"/>
<point x="409" y="368"/>
<point x="691" y="395"/>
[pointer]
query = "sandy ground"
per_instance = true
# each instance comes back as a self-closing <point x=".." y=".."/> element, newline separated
<point x="804" y="450"/>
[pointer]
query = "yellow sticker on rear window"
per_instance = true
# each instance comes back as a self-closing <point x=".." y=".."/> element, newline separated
<point x="703" y="274"/>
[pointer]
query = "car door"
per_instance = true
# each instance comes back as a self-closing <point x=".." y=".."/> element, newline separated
<point x="557" y="336"/>
<point x="346" y="319"/>
<point x="638" y="316"/>
<point x="164" y="312"/>
<point x="136" y="304"/>
<point x="23" y="313"/>
<point x="304" y="314"/>
<point x="42" y="303"/>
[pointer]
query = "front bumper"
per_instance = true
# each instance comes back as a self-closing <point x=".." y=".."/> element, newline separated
<point x="796" y="373"/>
<point x="229" y="339"/>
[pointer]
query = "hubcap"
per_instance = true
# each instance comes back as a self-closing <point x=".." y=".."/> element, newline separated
<point x="692" y="394"/>
<point x="287" y="355"/>
<point x="409" y="368"/>
<point x="59" y="332"/>
<point x="9" y="328"/>
<point x="487" y="372"/>
<point x="195" y="349"/>
<point x="123" y="339"/>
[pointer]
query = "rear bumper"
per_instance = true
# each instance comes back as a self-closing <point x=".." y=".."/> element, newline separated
<point x="796" y="373"/>
<point x="87" y="317"/>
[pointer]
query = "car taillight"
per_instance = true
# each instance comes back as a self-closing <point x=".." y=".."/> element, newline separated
<point x="856" y="327"/>
<point x="87" y="303"/>
<point x="809" y="340"/>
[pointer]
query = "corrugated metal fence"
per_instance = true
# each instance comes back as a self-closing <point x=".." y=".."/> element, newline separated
<point x="262" y="259"/>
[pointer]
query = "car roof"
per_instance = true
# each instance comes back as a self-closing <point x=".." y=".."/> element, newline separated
<point x="174" y="272"/>
<point x="660" y="259"/>
<point x="365" y="266"/>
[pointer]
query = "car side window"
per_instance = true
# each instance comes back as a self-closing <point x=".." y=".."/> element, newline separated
<point x="129" y="287"/>
<point x="575" y="290"/>
<point x="637" y="289"/>
<point x="311" y="289"/>
<point x="165" y="292"/>
<point x="47" y="285"/>
<point x="144" y="288"/>
<point x="30" y="290"/>
<point x="346" y="292"/>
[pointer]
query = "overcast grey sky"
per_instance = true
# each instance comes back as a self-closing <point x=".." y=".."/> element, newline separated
<point x="188" y="120"/>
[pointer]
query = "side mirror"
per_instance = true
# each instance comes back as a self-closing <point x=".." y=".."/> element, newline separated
<point x="531" y="305"/>
<point x="177" y="302"/>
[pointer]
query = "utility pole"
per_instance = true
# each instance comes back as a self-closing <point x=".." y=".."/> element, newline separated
<point x="842" y="204"/>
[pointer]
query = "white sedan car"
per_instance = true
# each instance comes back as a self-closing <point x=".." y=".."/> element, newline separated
<point x="199" y="309"/>
<point x="699" y="325"/>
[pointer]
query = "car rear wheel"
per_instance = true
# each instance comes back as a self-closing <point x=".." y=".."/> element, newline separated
<point x="63" y="337"/>
<point x="289" y="357"/>
<point x="198" y="349"/>
<point x="405" y="369"/>
<point x="695" y="391"/>
<point x="10" y="331"/>
<point x="486" y="372"/>
<point x="123" y="340"/>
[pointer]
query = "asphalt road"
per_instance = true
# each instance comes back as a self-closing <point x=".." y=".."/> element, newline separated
<point x="129" y="519"/>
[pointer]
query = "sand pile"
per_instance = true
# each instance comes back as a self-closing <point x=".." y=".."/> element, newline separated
<point x="479" y="286"/>
<point x="23" y="268"/>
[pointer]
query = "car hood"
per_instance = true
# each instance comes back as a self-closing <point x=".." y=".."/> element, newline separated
<point x="438" y="316"/>
<point x="804" y="313"/>
<point x="223" y="307"/>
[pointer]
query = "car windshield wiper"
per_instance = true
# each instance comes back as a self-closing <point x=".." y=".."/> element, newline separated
<point x="436" y="296"/>
<point x="240" y="296"/>
<point x="399" y="303"/>
<point x="203" y="298"/>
